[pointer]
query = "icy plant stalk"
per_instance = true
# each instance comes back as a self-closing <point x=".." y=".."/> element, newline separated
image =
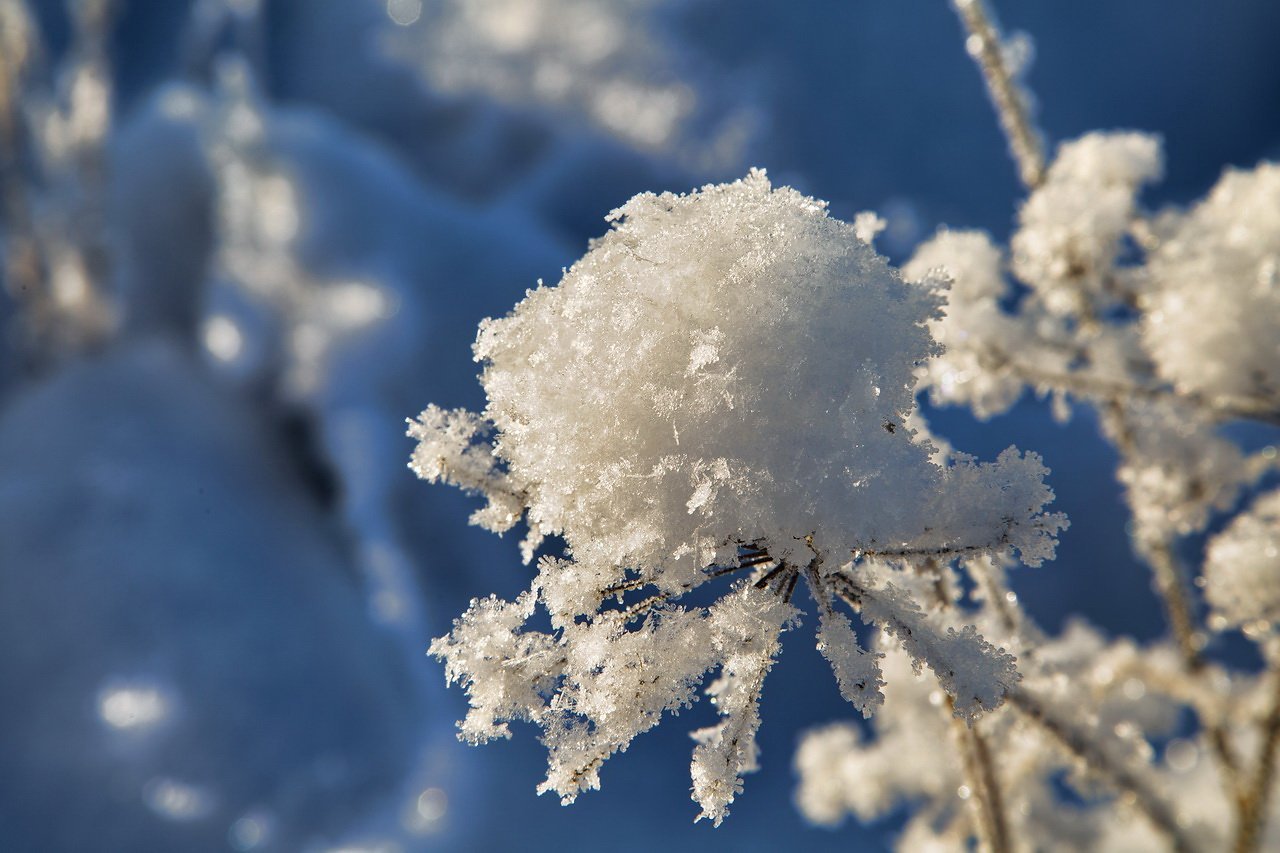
<point x="720" y="392"/>
<point x="1170" y="327"/>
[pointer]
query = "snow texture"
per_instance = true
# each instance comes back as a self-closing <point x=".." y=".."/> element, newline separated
<point x="722" y="383"/>
<point x="1242" y="566"/>
<point x="1212" y="307"/>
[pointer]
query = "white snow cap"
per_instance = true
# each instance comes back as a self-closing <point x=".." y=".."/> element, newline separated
<point x="722" y="384"/>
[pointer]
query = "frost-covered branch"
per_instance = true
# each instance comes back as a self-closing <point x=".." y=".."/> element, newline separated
<point x="987" y="800"/>
<point x="1088" y="749"/>
<point x="1166" y="360"/>
<point x="976" y="675"/>
<point x="1087" y="384"/>
<point x="1001" y="73"/>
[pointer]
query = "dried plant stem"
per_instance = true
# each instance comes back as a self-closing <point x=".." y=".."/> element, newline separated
<point x="1254" y="800"/>
<point x="1170" y="584"/>
<point x="992" y="798"/>
<point x="984" y="45"/>
<point x="990" y="580"/>
<point x="1089" y="750"/>
<point x="1115" y="392"/>
<point x="980" y="773"/>
<point x="986" y="801"/>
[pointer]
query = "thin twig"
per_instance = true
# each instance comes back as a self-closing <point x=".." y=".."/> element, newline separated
<point x="986" y="47"/>
<point x="1170" y="584"/>
<point x="993" y="798"/>
<point x="1112" y="391"/>
<point x="1084" y="747"/>
<point x="947" y="552"/>
<point x="992" y="827"/>
<point x="1256" y="798"/>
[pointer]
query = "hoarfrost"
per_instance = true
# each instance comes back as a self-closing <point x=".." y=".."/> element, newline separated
<point x="723" y="384"/>
<point x="1242" y="566"/>
<point x="1212" y="310"/>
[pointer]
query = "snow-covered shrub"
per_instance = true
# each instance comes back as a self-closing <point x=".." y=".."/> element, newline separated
<point x="1168" y="326"/>
<point x="247" y="287"/>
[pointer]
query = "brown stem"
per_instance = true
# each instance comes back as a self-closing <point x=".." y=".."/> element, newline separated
<point x="1256" y="798"/>
<point x="988" y="804"/>
<point x="1170" y="584"/>
<point x="944" y="552"/>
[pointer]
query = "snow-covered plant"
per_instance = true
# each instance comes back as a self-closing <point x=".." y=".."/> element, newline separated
<point x="1168" y="326"/>
<point x="720" y="387"/>
<point x="722" y="391"/>
<point x="1219" y="342"/>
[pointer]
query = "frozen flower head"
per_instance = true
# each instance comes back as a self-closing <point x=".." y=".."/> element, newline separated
<point x="730" y="364"/>
<point x="719" y="387"/>
<point x="1213" y="311"/>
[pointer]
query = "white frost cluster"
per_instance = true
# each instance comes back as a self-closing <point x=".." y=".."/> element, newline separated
<point x="650" y="406"/>
<point x="1169" y="327"/>
<point x="1067" y="251"/>
<point x="1178" y="469"/>
<point x="1212" y="310"/>
<point x="1242" y="566"/>
<point x="721" y="385"/>
<point x="969" y="268"/>
<point x="1070" y="228"/>
<point x="1117" y="304"/>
